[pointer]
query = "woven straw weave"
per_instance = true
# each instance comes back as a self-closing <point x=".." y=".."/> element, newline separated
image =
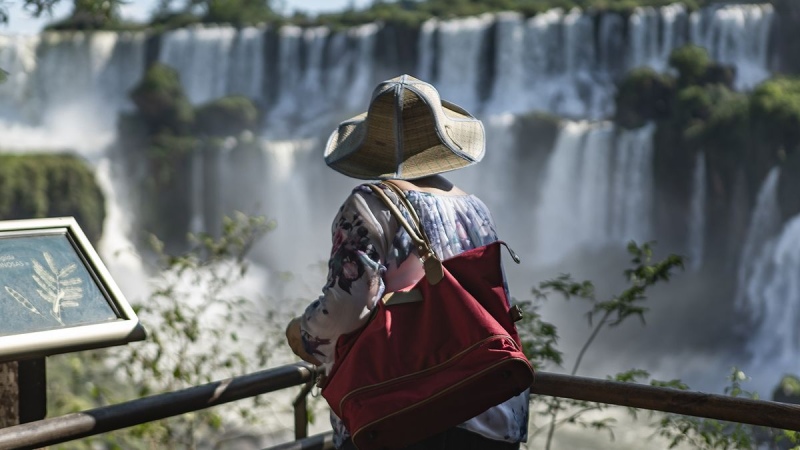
<point x="408" y="132"/>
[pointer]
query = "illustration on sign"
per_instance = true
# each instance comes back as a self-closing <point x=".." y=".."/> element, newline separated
<point x="46" y="286"/>
<point x="54" y="286"/>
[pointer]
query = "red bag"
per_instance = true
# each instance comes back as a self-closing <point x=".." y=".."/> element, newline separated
<point x="433" y="356"/>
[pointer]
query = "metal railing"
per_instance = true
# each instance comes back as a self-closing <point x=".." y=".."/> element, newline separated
<point x="73" y="426"/>
<point x="100" y="420"/>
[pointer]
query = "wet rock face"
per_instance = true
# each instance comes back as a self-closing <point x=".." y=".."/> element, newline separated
<point x="785" y="38"/>
<point x="789" y="186"/>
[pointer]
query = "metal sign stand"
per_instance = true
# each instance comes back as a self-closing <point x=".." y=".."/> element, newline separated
<point x="23" y="391"/>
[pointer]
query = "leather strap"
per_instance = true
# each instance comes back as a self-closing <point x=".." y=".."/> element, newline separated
<point x="401" y="195"/>
<point x="434" y="272"/>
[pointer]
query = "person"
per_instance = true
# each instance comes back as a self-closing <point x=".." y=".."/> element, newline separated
<point x="411" y="136"/>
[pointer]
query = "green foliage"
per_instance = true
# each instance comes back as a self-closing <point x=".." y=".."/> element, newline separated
<point x="642" y="275"/>
<point x="412" y="13"/>
<point x="691" y="62"/>
<point x="788" y="390"/>
<point x="163" y="136"/>
<point x="238" y="12"/>
<point x="227" y="116"/>
<point x="539" y="338"/>
<point x="776" y="111"/>
<point x="740" y="133"/>
<point x="35" y="7"/>
<point x="82" y="381"/>
<point x="51" y="185"/>
<point x="199" y="331"/>
<point x="161" y="102"/>
<point x="540" y="344"/>
<point x="91" y="15"/>
<point x="709" y="433"/>
<point x="644" y="95"/>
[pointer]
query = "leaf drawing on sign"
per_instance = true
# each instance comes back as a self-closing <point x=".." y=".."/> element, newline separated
<point x="55" y="287"/>
<point x="22" y="300"/>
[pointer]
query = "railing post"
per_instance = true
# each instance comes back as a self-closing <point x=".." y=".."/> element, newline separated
<point x="9" y="394"/>
<point x="301" y="411"/>
<point x="23" y="396"/>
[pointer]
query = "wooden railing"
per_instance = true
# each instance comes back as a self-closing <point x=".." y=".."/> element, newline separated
<point x="100" y="420"/>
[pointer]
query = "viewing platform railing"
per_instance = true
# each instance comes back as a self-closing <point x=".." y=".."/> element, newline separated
<point x="78" y="425"/>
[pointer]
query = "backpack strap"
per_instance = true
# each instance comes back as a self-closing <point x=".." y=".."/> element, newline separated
<point x="434" y="272"/>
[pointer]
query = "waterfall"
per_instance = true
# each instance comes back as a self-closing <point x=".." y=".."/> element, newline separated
<point x="198" y="183"/>
<point x="201" y="56"/>
<point x="317" y="81"/>
<point x="65" y="90"/>
<point x="737" y="35"/>
<point x="547" y="63"/>
<point x="562" y="62"/>
<point x="594" y="189"/>
<point x="765" y="223"/>
<point x="697" y="214"/>
<point x="459" y="66"/>
<point x="655" y="32"/>
<point x="119" y="254"/>
<point x="597" y="190"/>
<point x="772" y="293"/>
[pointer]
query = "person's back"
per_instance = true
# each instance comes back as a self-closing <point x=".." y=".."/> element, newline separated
<point x="372" y="254"/>
<point x="454" y="221"/>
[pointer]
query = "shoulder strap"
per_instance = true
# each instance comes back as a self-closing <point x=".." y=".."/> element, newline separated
<point x="401" y="195"/>
<point x="434" y="271"/>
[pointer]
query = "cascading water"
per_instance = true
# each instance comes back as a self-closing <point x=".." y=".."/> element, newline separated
<point x="655" y="32"/>
<point x="596" y="186"/>
<point x="458" y="68"/>
<point x="202" y="57"/>
<point x="757" y="264"/>
<point x="597" y="190"/>
<point x="65" y="90"/>
<point x="772" y="289"/>
<point x="737" y="36"/>
<point x="697" y="214"/>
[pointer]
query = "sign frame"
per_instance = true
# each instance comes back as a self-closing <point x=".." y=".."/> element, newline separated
<point x="69" y="337"/>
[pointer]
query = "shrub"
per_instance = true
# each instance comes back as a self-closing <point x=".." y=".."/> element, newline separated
<point x="644" y="95"/>
<point x="161" y="102"/>
<point x="691" y="62"/>
<point x="51" y="185"/>
<point x="227" y="116"/>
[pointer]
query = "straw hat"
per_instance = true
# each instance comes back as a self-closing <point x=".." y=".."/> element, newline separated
<point x="408" y="132"/>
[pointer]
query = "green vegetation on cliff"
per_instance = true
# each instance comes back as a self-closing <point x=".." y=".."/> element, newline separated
<point x="51" y="185"/>
<point x="411" y="12"/>
<point x="163" y="136"/>
<point x="102" y="14"/>
<point x="741" y="135"/>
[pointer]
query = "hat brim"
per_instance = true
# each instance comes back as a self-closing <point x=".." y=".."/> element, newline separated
<point x="459" y="141"/>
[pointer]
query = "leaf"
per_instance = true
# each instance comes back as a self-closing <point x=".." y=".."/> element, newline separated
<point x="50" y="297"/>
<point x="49" y="291"/>
<point x="71" y="281"/>
<point x="50" y="262"/>
<point x="22" y="300"/>
<point x="69" y="304"/>
<point x="63" y="273"/>
<point x="42" y="272"/>
<point x="72" y="293"/>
